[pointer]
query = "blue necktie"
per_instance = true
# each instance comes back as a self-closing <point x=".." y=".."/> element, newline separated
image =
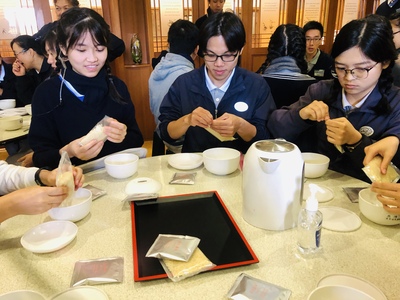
<point x="347" y="109"/>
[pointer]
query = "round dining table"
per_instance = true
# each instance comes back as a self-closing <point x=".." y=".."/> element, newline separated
<point x="370" y="252"/>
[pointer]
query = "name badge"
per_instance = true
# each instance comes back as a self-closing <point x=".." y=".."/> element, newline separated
<point x="319" y="73"/>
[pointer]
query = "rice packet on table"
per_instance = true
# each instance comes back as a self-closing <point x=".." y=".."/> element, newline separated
<point x="98" y="271"/>
<point x="183" y="178"/>
<point x="373" y="171"/>
<point x="65" y="177"/>
<point x="247" y="287"/>
<point x="96" y="192"/>
<point x="179" y="270"/>
<point x="97" y="132"/>
<point x="176" y="247"/>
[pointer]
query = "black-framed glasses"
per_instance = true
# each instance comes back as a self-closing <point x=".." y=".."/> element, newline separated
<point x="314" y="40"/>
<point x="396" y="32"/>
<point x="357" y="73"/>
<point x="22" y="51"/>
<point x="212" y="57"/>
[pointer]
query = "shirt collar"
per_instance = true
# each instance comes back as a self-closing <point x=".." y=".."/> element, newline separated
<point x="345" y="102"/>
<point x="212" y="86"/>
<point x="2" y="72"/>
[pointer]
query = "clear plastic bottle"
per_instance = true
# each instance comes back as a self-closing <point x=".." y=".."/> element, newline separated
<point x="309" y="225"/>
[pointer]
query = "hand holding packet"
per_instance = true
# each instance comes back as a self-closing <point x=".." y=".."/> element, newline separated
<point x="373" y="171"/>
<point x="97" y="132"/>
<point x="65" y="177"/>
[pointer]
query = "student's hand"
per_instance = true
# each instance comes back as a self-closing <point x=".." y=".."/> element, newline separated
<point x="200" y="117"/>
<point x="26" y="160"/>
<point x="340" y="131"/>
<point x="386" y="147"/>
<point x="49" y="177"/>
<point x="37" y="199"/>
<point x="115" y="131"/>
<point x="18" y="68"/>
<point x="388" y="194"/>
<point x="227" y="124"/>
<point x="86" y="152"/>
<point x="315" y="111"/>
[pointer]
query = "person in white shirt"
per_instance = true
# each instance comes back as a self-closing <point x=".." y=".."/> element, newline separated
<point x="30" y="191"/>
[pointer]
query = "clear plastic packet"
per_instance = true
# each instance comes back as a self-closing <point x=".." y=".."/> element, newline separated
<point x="176" y="247"/>
<point x="247" y="287"/>
<point x="373" y="171"/>
<point x="179" y="270"/>
<point x="97" y="271"/>
<point x="65" y="177"/>
<point x="183" y="178"/>
<point x="96" y="192"/>
<point x="352" y="193"/>
<point x="96" y="133"/>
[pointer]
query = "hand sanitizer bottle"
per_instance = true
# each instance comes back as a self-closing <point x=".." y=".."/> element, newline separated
<point x="309" y="224"/>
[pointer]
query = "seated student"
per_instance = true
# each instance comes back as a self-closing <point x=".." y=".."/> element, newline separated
<point x="7" y="81"/>
<point x="30" y="67"/>
<point x="116" y="46"/>
<point x="395" y="22"/>
<point x="219" y="95"/>
<point x="285" y="68"/>
<point x="319" y="63"/>
<point x="388" y="193"/>
<point x="388" y="7"/>
<point x="356" y="108"/>
<point x="183" y="40"/>
<point x="22" y="195"/>
<point x="66" y="107"/>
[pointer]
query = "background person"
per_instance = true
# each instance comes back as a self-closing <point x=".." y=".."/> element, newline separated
<point x="66" y="107"/>
<point x="21" y="194"/>
<point x="319" y="63"/>
<point x="7" y="81"/>
<point x="214" y="6"/>
<point x="230" y="100"/>
<point x="183" y="40"/>
<point x="116" y="46"/>
<point x="395" y="22"/>
<point x="388" y="7"/>
<point x="355" y="109"/>
<point x="285" y="69"/>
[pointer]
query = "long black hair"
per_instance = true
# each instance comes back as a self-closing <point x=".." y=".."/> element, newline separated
<point x="73" y="24"/>
<point x="287" y="40"/>
<point x="374" y="36"/>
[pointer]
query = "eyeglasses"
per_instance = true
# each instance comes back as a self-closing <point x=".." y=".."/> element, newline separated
<point x="212" y="57"/>
<point x="396" y="32"/>
<point x="22" y="51"/>
<point x="315" y="40"/>
<point x="357" y="73"/>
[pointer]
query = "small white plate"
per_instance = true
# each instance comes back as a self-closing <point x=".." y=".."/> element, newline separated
<point x="22" y="295"/>
<point x="339" y="219"/>
<point x="327" y="195"/>
<point x="49" y="236"/>
<point x="142" y="185"/>
<point x="81" y="293"/>
<point x="354" y="282"/>
<point x="185" y="161"/>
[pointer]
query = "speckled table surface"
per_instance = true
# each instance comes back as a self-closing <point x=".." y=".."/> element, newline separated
<point x="371" y="252"/>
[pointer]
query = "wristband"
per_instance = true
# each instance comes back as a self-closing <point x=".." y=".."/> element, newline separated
<point x="37" y="177"/>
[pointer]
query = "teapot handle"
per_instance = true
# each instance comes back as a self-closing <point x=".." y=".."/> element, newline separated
<point x="269" y="165"/>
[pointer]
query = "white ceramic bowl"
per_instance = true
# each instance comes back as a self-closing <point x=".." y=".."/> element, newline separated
<point x="80" y="208"/>
<point x="315" y="164"/>
<point x="11" y="123"/>
<point x="121" y="165"/>
<point x="373" y="210"/>
<point x="28" y="109"/>
<point x="22" y="295"/>
<point x="7" y="103"/>
<point x="338" y="292"/>
<point x="221" y="161"/>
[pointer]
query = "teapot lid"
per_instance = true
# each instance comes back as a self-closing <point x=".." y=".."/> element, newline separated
<point x="277" y="145"/>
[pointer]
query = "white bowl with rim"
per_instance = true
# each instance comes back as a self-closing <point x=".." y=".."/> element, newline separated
<point x="7" y="103"/>
<point x="315" y="164"/>
<point x="373" y="209"/>
<point x="338" y="292"/>
<point x="11" y="123"/>
<point x="79" y="208"/>
<point x="221" y="161"/>
<point x="121" y="165"/>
